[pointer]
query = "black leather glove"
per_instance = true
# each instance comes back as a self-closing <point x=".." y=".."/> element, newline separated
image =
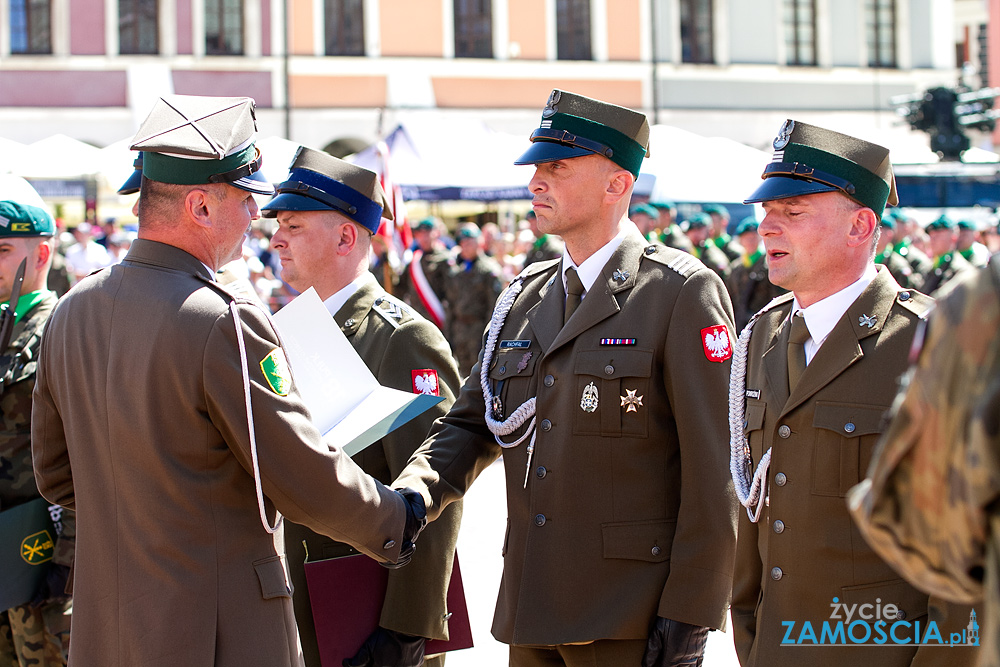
<point x="53" y="586"/>
<point x="416" y="520"/>
<point x="675" y="644"/>
<point x="388" y="648"/>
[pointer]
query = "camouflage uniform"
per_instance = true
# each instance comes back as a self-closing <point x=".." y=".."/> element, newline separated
<point x="928" y="505"/>
<point x="29" y="636"/>
<point x="471" y="292"/>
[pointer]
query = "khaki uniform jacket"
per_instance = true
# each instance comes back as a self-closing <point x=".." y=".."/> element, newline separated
<point x="806" y="551"/>
<point x="139" y="424"/>
<point x="627" y="514"/>
<point x="393" y="342"/>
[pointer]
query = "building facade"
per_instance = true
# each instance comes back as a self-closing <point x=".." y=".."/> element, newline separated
<point x="354" y="68"/>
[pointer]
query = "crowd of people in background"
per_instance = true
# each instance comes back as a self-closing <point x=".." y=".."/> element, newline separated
<point x="463" y="270"/>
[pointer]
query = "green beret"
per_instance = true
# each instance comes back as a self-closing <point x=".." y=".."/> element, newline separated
<point x="664" y="205"/>
<point x="573" y="126"/>
<point x="426" y="224"/>
<point x="468" y="230"/>
<point x="645" y="209"/>
<point x="942" y="222"/>
<point x="888" y="221"/>
<point x="18" y="219"/>
<point x="966" y="224"/>
<point x="809" y="160"/>
<point x="715" y="209"/>
<point x="698" y="220"/>
<point x="747" y="224"/>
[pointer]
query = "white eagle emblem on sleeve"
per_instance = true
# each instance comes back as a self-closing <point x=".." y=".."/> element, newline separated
<point x="716" y="343"/>
<point x="425" y="384"/>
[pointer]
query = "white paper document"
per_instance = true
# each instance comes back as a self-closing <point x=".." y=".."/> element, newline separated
<point x="348" y="405"/>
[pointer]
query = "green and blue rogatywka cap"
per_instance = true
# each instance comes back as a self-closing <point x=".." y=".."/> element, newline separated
<point x="196" y="140"/>
<point x="573" y="126"/>
<point x="317" y="181"/>
<point x="809" y="160"/>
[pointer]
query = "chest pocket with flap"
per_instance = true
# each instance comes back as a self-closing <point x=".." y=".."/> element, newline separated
<point x="846" y="434"/>
<point x="619" y="376"/>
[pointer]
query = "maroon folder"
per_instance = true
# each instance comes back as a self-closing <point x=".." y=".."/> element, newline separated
<point x="346" y="595"/>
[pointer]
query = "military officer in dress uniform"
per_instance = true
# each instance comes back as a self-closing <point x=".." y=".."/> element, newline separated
<point x="814" y="373"/>
<point x="947" y="262"/>
<point x="602" y="382"/>
<point x="35" y="633"/>
<point x="165" y="413"/>
<point x="323" y="239"/>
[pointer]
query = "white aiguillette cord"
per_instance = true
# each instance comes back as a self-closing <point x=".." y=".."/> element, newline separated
<point x="526" y="410"/>
<point x="249" y="408"/>
<point x="750" y="484"/>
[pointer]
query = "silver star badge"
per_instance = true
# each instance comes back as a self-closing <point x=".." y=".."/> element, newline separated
<point x="867" y="321"/>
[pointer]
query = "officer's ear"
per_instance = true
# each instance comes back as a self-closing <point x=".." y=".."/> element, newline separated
<point x="619" y="187"/>
<point x="197" y="205"/>
<point x="349" y="237"/>
<point x="43" y="253"/>
<point x="864" y="222"/>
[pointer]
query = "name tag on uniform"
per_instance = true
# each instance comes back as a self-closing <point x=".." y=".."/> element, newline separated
<point x="514" y="343"/>
<point x="753" y="393"/>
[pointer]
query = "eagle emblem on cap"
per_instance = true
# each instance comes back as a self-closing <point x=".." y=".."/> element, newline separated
<point x="551" y="107"/>
<point x="784" y="134"/>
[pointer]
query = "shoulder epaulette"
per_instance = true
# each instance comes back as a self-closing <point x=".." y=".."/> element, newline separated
<point x="916" y="302"/>
<point x="391" y="309"/>
<point x="680" y="262"/>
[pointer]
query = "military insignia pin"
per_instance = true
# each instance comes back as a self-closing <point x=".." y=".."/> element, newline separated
<point x="784" y="134"/>
<point x="620" y="276"/>
<point x="867" y="321"/>
<point x="497" y="408"/>
<point x="589" y="399"/>
<point x="630" y="401"/>
<point x="521" y="365"/>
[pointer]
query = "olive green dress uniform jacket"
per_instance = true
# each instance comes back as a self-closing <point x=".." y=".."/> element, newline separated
<point x="393" y="341"/>
<point x="806" y="551"/>
<point x="938" y="276"/>
<point x="627" y="514"/>
<point x="139" y="424"/>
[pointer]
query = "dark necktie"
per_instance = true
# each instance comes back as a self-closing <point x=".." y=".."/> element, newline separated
<point x="796" y="350"/>
<point x="574" y="293"/>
